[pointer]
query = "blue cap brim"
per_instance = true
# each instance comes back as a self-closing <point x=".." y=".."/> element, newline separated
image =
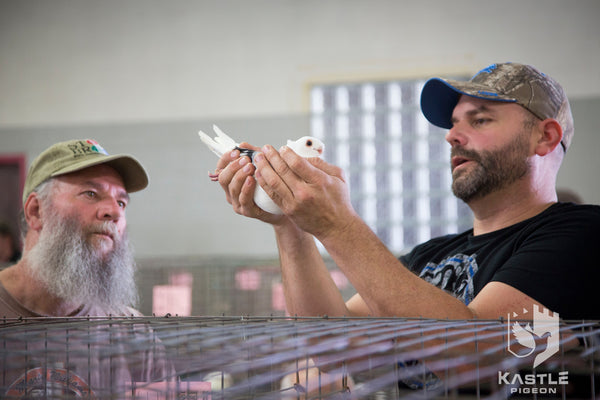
<point x="438" y="100"/>
<point x="440" y="96"/>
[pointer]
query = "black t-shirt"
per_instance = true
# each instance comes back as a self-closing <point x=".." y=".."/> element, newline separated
<point x="552" y="257"/>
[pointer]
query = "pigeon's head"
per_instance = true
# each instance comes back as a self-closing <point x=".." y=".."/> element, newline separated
<point x="307" y="146"/>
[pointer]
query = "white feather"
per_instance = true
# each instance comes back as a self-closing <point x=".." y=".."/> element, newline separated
<point x="262" y="199"/>
<point x="221" y="144"/>
<point x="306" y="146"/>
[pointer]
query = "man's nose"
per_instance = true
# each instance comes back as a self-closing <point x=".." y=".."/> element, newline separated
<point x="110" y="210"/>
<point x="456" y="136"/>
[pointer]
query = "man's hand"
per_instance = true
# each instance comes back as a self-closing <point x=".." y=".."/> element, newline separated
<point x="235" y="175"/>
<point x="311" y="192"/>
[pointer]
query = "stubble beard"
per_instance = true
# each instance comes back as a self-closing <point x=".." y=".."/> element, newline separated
<point x="74" y="267"/>
<point x="491" y="170"/>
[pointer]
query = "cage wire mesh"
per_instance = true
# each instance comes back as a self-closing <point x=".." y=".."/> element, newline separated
<point x="283" y="357"/>
<point x="219" y="285"/>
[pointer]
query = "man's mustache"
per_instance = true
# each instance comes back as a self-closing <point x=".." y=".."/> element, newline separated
<point x="105" y="228"/>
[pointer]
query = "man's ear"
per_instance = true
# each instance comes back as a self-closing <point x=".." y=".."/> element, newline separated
<point x="32" y="211"/>
<point x="551" y="135"/>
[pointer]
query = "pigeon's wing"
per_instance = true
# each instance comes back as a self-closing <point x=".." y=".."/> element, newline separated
<point x="523" y="336"/>
<point x="221" y="143"/>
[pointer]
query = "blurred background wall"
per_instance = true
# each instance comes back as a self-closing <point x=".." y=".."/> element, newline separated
<point x="143" y="76"/>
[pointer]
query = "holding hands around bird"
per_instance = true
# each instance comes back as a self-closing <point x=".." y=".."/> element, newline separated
<point x="310" y="192"/>
<point x="306" y="146"/>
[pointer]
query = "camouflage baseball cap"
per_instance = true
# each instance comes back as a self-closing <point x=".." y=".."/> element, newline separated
<point x="509" y="82"/>
<point x="74" y="155"/>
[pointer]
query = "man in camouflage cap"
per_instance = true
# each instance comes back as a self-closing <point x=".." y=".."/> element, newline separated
<point x="76" y="259"/>
<point x="508" y="82"/>
<point x="509" y="129"/>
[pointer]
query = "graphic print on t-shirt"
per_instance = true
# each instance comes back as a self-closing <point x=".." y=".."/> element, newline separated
<point x="49" y="382"/>
<point x="454" y="275"/>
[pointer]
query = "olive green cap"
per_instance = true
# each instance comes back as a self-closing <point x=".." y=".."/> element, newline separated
<point x="75" y="155"/>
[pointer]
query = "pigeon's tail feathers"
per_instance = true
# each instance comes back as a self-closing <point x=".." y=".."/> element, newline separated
<point x="220" y="134"/>
<point x="221" y="144"/>
<point x="223" y="139"/>
<point x="211" y="144"/>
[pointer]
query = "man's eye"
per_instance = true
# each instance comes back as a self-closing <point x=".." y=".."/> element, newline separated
<point x="122" y="204"/>
<point x="90" y="193"/>
<point x="480" y="121"/>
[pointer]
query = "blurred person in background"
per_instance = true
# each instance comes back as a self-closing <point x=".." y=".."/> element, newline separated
<point x="9" y="251"/>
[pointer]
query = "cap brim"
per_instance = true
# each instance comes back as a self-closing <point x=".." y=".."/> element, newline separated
<point x="440" y="96"/>
<point x="438" y="100"/>
<point x="133" y="174"/>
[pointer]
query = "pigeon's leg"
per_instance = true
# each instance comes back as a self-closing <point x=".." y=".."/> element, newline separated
<point x="246" y="152"/>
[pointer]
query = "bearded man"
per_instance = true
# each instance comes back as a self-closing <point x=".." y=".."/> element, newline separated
<point x="76" y="260"/>
<point x="509" y="128"/>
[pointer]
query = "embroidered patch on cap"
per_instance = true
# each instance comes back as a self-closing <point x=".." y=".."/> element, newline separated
<point x="81" y="148"/>
<point x="96" y="147"/>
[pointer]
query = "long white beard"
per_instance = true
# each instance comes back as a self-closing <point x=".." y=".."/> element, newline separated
<point x="72" y="269"/>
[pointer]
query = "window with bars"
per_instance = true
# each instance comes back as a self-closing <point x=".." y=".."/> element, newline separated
<point x="396" y="162"/>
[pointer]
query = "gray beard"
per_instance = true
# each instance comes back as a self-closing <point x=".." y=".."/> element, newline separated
<point x="72" y="269"/>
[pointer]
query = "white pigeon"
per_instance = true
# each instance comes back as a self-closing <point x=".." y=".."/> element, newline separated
<point x="306" y="146"/>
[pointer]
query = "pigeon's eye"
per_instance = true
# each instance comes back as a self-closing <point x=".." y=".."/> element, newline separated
<point x="309" y="142"/>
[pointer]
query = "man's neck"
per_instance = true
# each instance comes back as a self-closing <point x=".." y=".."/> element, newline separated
<point x="502" y="209"/>
<point x="32" y="294"/>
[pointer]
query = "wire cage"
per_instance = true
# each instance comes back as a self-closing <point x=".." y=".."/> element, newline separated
<point x="297" y="358"/>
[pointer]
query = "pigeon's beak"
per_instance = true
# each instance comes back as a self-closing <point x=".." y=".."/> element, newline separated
<point x="320" y="151"/>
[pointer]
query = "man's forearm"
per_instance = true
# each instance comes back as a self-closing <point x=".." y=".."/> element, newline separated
<point x="308" y="286"/>
<point x="387" y="287"/>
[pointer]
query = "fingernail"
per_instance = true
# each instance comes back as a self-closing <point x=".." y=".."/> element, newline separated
<point x="248" y="168"/>
<point x="234" y="154"/>
<point x="259" y="157"/>
<point x="214" y="176"/>
<point x="267" y="149"/>
<point x="243" y="161"/>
